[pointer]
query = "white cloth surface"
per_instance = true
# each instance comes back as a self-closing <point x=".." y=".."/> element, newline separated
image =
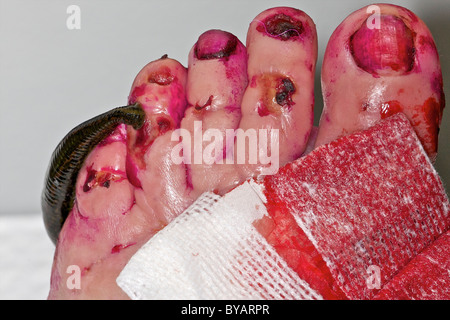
<point x="26" y="257"/>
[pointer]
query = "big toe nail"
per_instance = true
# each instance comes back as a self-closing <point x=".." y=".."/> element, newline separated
<point x="384" y="47"/>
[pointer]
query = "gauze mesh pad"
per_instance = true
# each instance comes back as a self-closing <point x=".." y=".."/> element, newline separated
<point x="427" y="276"/>
<point x="369" y="202"/>
<point x="212" y="251"/>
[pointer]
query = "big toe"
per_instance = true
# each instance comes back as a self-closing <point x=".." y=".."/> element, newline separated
<point x="379" y="61"/>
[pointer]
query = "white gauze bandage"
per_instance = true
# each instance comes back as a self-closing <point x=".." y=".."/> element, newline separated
<point x="213" y="251"/>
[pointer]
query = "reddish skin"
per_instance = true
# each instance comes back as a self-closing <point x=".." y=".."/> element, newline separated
<point x="431" y="111"/>
<point x="158" y="79"/>
<point x="390" y="108"/>
<point x="281" y="44"/>
<point x="117" y="248"/>
<point x="163" y="76"/>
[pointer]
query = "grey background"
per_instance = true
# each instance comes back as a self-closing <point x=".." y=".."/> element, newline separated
<point x="53" y="78"/>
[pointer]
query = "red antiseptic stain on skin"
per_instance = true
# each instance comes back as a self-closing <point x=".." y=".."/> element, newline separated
<point x="426" y="43"/>
<point x="433" y="113"/>
<point x="164" y="125"/>
<point x="119" y="247"/>
<point x="390" y="108"/>
<point x="132" y="172"/>
<point x="425" y="119"/>
<point x="136" y="93"/>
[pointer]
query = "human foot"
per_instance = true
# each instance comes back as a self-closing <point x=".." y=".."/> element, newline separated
<point x="136" y="181"/>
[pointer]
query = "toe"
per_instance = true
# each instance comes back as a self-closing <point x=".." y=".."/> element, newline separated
<point x="378" y="63"/>
<point x="282" y="53"/>
<point x="217" y="78"/>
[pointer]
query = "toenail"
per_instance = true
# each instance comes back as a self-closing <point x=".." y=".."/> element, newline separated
<point x="215" y="44"/>
<point x="387" y="50"/>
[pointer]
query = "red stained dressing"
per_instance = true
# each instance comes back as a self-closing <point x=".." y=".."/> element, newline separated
<point x="292" y="244"/>
<point x="117" y="248"/>
<point x="385" y="50"/>
<point x="281" y="26"/>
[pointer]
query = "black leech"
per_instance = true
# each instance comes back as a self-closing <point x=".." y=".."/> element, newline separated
<point x="59" y="190"/>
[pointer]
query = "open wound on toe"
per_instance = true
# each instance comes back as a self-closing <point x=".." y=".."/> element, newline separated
<point x="281" y="26"/>
<point x="277" y="91"/>
<point x="101" y="178"/>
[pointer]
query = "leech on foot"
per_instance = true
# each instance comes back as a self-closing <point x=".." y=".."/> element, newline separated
<point x="67" y="159"/>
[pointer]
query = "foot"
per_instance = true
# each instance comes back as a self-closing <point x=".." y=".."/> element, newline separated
<point x="135" y="182"/>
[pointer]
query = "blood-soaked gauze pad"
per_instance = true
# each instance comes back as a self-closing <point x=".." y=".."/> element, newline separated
<point x="345" y="221"/>
<point x="369" y="203"/>
<point x="426" y="277"/>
